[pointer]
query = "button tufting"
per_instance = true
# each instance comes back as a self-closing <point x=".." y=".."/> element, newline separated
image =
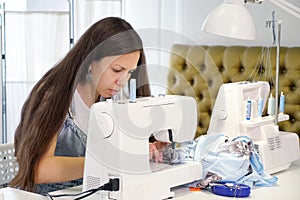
<point x="283" y="70"/>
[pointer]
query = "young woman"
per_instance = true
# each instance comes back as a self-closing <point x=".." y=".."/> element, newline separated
<point x="51" y="136"/>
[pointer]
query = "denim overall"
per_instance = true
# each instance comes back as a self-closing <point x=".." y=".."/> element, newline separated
<point x="71" y="142"/>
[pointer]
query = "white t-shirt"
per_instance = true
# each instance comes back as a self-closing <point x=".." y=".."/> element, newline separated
<point x="80" y="112"/>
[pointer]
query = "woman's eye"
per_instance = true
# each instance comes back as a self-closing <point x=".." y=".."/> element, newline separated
<point x="117" y="70"/>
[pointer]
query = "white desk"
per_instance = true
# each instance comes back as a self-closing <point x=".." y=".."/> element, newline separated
<point x="288" y="187"/>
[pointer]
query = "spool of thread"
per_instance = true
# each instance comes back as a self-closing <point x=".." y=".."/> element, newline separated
<point x="281" y="103"/>
<point x="253" y="109"/>
<point x="271" y="105"/>
<point x="260" y="104"/>
<point x="248" y="109"/>
<point x="132" y="93"/>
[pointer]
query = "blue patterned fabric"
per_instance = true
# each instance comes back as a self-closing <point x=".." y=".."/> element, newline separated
<point x="230" y="159"/>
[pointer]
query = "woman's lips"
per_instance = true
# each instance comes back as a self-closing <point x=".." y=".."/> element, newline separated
<point x="113" y="91"/>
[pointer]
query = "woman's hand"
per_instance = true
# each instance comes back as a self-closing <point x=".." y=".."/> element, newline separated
<point x="156" y="151"/>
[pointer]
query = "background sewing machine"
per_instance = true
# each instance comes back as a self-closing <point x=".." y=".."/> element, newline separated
<point x="118" y="146"/>
<point x="277" y="149"/>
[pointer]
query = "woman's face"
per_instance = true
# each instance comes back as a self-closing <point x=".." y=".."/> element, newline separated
<point x="112" y="73"/>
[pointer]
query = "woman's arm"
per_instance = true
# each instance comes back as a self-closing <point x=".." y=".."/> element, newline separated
<point x="54" y="169"/>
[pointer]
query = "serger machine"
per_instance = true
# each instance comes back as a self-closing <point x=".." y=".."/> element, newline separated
<point x="236" y="113"/>
<point x="118" y="146"/>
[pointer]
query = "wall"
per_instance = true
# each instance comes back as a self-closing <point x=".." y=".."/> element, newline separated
<point x="37" y="5"/>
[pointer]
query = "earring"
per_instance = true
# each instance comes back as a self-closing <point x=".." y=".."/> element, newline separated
<point x="88" y="76"/>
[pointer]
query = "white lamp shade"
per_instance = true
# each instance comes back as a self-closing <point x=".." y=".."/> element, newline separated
<point x="230" y="20"/>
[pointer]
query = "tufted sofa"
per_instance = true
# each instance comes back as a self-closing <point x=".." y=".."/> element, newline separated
<point x="199" y="71"/>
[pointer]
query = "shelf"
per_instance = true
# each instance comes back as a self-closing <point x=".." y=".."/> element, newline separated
<point x="264" y="120"/>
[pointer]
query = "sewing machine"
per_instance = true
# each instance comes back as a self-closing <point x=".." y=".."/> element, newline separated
<point x="118" y="146"/>
<point x="277" y="148"/>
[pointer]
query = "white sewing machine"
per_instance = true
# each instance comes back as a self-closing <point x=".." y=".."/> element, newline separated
<point x="118" y="146"/>
<point x="277" y="148"/>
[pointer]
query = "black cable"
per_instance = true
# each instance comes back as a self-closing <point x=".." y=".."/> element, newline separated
<point x="66" y="195"/>
<point x="112" y="185"/>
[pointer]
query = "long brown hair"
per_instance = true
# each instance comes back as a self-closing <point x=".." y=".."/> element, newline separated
<point x="45" y="109"/>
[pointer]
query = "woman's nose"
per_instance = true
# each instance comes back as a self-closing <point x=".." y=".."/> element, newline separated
<point x="123" y="80"/>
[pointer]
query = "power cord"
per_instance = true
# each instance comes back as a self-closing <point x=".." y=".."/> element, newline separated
<point x="112" y="185"/>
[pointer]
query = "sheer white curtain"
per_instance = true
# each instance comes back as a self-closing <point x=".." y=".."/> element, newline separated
<point x="35" y="41"/>
<point x="89" y="11"/>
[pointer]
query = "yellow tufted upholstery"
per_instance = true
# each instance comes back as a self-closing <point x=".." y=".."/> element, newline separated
<point x="199" y="71"/>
